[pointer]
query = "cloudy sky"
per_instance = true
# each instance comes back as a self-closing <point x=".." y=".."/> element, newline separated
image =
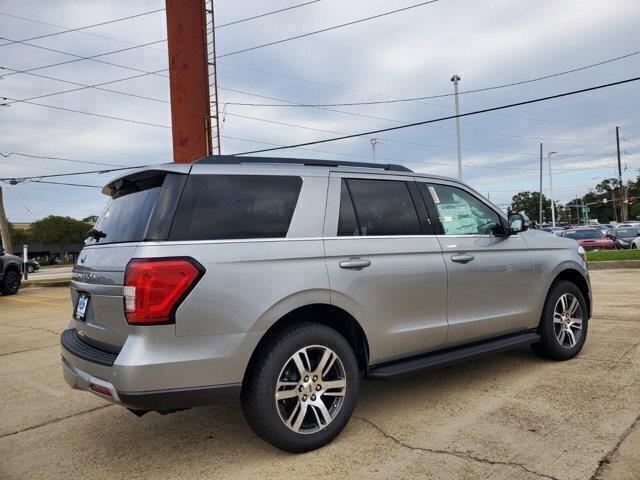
<point x="408" y="54"/>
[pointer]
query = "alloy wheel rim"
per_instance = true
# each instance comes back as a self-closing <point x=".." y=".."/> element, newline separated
<point x="567" y="320"/>
<point x="310" y="389"/>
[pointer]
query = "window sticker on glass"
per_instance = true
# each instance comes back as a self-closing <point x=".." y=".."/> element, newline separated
<point x="457" y="219"/>
<point x="434" y="195"/>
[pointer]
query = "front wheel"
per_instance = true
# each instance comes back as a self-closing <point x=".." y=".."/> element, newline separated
<point x="300" y="391"/>
<point x="10" y="283"/>
<point x="564" y="322"/>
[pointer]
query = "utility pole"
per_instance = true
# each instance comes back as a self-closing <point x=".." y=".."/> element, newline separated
<point x="624" y="203"/>
<point x="4" y="228"/>
<point x="374" y="142"/>
<point x="455" y="79"/>
<point x="213" y="73"/>
<point x="553" y="203"/>
<point x="189" y="80"/>
<point x="540" y="207"/>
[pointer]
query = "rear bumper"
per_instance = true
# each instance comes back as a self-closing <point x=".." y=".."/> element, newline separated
<point x="148" y="378"/>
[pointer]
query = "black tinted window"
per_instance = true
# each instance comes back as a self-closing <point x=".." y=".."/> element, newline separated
<point x="384" y="207"/>
<point x="347" y="223"/>
<point x="125" y="218"/>
<point x="216" y="207"/>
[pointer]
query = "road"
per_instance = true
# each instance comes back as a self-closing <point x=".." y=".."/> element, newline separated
<point x="513" y="415"/>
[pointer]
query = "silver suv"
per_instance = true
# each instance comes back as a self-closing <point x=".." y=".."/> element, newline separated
<point x="286" y="282"/>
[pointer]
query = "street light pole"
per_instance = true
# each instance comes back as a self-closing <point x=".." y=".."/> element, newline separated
<point x="374" y="142"/>
<point x="540" y="207"/>
<point x="455" y="79"/>
<point x="553" y="203"/>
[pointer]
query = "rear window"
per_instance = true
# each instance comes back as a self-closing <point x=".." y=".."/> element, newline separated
<point x="127" y="214"/>
<point x="219" y="207"/>
<point x="380" y="207"/>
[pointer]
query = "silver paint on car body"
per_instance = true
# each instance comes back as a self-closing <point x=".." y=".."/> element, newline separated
<point x="412" y="297"/>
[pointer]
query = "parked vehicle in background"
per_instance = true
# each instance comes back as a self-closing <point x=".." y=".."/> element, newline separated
<point x="285" y="282"/>
<point x="32" y="266"/>
<point x="628" y="225"/>
<point x="623" y="237"/>
<point x="636" y="243"/>
<point x="555" y="230"/>
<point x="10" y="273"/>
<point x="604" y="227"/>
<point x="589" y="238"/>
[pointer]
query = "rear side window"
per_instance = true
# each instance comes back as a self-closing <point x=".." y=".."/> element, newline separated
<point x="126" y="216"/>
<point x="218" y="207"/>
<point x="381" y="207"/>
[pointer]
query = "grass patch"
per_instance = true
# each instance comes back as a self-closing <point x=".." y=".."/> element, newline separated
<point x="613" y="255"/>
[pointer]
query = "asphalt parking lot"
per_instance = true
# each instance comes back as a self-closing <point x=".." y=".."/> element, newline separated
<point x="508" y="416"/>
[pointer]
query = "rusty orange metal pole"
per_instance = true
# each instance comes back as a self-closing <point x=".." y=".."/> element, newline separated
<point x="189" y="80"/>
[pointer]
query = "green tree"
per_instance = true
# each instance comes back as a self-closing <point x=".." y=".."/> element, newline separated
<point x="19" y="237"/>
<point x="90" y="219"/>
<point x="59" y="231"/>
<point x="529" y="203"/>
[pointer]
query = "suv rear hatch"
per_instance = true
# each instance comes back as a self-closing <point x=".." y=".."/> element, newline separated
<point x="141" y="209"/>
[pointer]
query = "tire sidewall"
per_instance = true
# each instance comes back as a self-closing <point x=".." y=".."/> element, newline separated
<point x="547" y="330"/>
<point x="9" y="286"/>
<point x="281" y="435"/>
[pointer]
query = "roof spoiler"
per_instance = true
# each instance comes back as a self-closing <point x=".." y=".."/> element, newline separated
<point x="141" y="178"/>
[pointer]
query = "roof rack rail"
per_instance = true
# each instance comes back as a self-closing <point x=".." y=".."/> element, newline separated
<point x="232" y="160"/>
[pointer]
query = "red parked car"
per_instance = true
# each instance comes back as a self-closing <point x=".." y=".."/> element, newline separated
<point x="590" y="238"/>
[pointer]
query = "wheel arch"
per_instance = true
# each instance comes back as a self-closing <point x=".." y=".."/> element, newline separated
<point x="325" y="314"/>
<point x="578" y="279"/>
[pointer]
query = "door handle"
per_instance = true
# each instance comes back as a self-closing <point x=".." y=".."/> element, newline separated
<point x="462" y="258"/>
<point x="355" y="263"/>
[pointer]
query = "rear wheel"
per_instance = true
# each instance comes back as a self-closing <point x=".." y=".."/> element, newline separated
<point x="301" y="390"/>
<point x="564" y="322"/>
<point x="10" y="283"/>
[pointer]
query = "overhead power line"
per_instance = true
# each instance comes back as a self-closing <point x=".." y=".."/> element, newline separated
<point x="441" y="95"/>
<point x="109" y="117"/>
<point x="79" y="58"/>
<point x="115" y="20"/>
<point x="262" y="15"/>
<point x="450" y="117"/>
<point x="66" y="184"/>
<point x="71" y="174"/>
<point x="334" y="27"/>
<point x="41" y="157"/>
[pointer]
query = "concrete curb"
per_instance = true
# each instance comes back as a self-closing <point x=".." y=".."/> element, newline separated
<point x="63" y="282"/>
<point x="613" y="264"/>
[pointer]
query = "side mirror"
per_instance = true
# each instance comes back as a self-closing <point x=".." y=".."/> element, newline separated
<point x="518" y="223"/>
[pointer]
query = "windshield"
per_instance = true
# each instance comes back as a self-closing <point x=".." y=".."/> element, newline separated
<point x="626" y="232"/>
<point x="125" y="218"/>
<point x="584" y="234"/>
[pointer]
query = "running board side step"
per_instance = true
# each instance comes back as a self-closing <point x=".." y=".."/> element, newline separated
<point x="450" y="356"/>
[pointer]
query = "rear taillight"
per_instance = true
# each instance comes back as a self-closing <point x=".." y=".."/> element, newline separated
<point x="154" y="288"/>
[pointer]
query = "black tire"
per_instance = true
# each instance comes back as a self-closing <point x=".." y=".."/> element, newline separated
<point x="31" y="268"/>
<point x="259" y="405"/>
<point x="10" y="283"/>
<point x="549" y="345"/>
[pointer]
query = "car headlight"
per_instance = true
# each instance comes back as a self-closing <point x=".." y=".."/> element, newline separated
<point x="583" y="253"/>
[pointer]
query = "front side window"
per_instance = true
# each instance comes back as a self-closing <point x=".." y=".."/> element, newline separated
<point x="380" y="207"/>
<point x="461" y="213"/>
<point x="215" y="207"/>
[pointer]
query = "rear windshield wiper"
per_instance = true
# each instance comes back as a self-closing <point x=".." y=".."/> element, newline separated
<point x="96" y="234"/>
